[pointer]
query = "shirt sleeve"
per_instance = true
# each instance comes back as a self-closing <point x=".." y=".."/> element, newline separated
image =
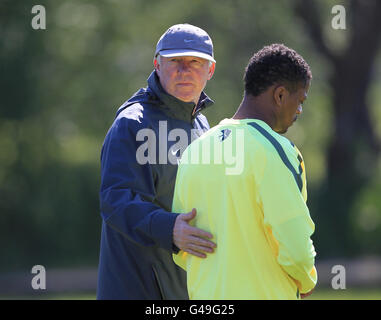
<point x="127" y="190"/>
<point x="287" y="215"/>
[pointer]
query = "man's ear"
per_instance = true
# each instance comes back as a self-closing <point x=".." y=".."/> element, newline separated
<point x="156" y="64"/>
<point x="279" y="95"/>
<point x="211" y="70"/>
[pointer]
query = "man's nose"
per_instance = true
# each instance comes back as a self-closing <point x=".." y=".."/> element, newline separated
<point x="183" y="67"/>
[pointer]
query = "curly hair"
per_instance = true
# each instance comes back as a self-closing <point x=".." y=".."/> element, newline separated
<point x="275" y="64"/>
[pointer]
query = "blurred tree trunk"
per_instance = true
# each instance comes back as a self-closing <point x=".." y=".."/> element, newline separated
<point x="353" y="150"/>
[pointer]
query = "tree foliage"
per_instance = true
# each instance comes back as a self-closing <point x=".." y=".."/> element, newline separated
<point x="62" y="86"/>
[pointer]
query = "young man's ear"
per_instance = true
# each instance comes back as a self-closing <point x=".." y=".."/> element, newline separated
<point x="211" y="70"/>
<point x="279" y="95"/>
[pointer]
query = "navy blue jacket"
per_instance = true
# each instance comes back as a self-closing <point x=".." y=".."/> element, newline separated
<point x="135" y="199"/>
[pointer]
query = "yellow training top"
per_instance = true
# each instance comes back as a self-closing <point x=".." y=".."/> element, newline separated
<point x="248" y="185"/>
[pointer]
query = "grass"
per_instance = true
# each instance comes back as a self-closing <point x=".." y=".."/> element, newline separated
<point x="347" y="294"/>
<point x="319" y="294"/>
<point x="47" y="296"/>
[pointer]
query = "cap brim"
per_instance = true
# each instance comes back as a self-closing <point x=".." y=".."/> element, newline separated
<point x="186" y="52"/>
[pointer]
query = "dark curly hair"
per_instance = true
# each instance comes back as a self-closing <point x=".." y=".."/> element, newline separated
<point x="275" y="64"/>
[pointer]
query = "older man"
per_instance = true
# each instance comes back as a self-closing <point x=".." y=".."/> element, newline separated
<point x="139" y="232"/>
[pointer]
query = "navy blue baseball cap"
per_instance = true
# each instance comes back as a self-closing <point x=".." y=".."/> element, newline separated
<point x="185" y="40"/>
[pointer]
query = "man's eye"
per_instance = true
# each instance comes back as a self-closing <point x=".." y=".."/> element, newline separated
<point x="197" y="63"/>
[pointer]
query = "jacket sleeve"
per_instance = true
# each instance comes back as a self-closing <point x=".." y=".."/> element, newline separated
<point x="127" y="190"/>
<point x="287" y="216"/>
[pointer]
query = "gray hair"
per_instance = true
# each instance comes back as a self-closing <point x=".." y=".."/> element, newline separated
<point x="158" y="60"/>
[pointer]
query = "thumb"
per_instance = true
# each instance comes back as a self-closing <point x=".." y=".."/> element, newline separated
<point x="190" y="215"/>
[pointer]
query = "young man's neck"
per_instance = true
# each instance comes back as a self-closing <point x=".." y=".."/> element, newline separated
<point x="254" y="108"/>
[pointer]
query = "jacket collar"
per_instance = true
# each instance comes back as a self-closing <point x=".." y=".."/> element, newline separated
<point x="174" y="107"/>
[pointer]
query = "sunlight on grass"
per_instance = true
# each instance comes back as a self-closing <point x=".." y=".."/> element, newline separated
<point x="347" y="294"/>
<point x="319" y="294"/>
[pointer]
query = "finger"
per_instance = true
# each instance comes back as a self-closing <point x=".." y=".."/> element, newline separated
<point x="190" y="215"/>
<point x="199" y="232"/>
<point x="201" y="242"/>
<point x="200" y="248"/>
<point x="196" y="253"/>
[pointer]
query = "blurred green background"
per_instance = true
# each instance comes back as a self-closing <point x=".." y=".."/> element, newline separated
<point x="60" y="89"/>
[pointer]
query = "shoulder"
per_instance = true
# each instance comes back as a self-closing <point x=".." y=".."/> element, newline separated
<point x="138" y="109"/>
<point x="128" y="122"/>
<point x="135" y="116"/>
<point x="273" y="150"/>
<point x="130" y="113"/>
<point x="272" y="142"/>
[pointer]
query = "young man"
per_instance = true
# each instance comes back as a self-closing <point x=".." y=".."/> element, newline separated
<point x="257" y="213"/>
<point x="139" y="233"/>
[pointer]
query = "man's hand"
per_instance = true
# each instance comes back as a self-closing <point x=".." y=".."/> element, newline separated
<point x="305" y="295"/>
<point x="190" y="239"/>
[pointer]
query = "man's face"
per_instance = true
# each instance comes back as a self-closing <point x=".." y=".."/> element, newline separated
<point x="292" y="107"/>
<point x="184" y="77"/>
